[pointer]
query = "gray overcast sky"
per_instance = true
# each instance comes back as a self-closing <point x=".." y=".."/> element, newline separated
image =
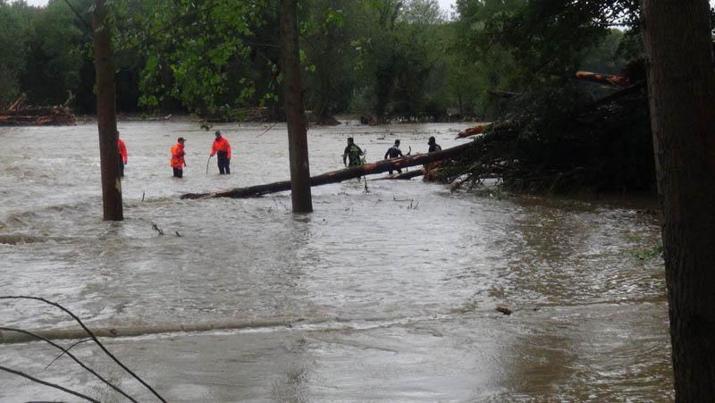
<point x="445" y="4"/>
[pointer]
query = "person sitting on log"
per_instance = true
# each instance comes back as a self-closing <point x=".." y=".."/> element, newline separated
<point x="352" y="154"/>
<point x="394" y="152"/>
<point x="122" y="149"/>
<point x="177" y="158"/>
<point x="222" y="149"/>
<point x="433" y="146"/>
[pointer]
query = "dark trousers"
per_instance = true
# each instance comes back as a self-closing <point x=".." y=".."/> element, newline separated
<point x="121" y="167"/>
<point x="223" y="163"/>
<point x="178" y="173"/>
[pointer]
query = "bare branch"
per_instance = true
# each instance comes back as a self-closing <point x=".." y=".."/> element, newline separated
<point x="89" y="332"/>
<point x="66" y="351"/>
<point x="52" y="385"/>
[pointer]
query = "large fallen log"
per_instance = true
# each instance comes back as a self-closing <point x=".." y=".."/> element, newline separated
<point x="405" y="175"/>
<point x="473" y="131"/>
<point x="9" y="337"/>
<point x="339" y="175"/>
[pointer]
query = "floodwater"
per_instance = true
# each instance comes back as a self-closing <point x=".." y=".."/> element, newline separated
<point x="392" y="289"/>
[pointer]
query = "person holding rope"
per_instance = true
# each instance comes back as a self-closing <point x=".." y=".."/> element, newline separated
<point x="222" y="149"/>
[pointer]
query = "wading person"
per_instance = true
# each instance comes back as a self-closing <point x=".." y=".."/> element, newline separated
<point x="394" y="152"/>
<point x="177" y="158"/>
<point x="222" y="150"/>
<point x="433" y="146"/>
<point x="122" y="149"/>
<point x="352" y="156"/>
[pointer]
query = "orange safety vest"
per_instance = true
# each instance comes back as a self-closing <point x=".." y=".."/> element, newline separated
<point x="122" y="150"/>
<point x="221" y="144"/>
<point x="177" y="156"/>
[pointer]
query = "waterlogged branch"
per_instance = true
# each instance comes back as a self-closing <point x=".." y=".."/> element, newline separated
<point x="72" y="356"/>
<point x="91" y="335"/>
<point x="50" y="384"/>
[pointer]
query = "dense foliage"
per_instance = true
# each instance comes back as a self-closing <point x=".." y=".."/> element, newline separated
<point x="554" y="132"/>
<point x="382" y="59"/>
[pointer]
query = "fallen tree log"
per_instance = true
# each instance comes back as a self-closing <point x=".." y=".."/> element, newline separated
<point x="339" y="175"/>
<point x="616" y="80"/>
<point x="404" y="176"/>
<point x="473" y="131"/>
<point x="8" y="337"/>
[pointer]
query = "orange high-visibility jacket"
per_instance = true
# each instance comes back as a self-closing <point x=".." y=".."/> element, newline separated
<point x="177" y="156"/>
<point x="122" y="150"/>
<point x="221" y="144"/>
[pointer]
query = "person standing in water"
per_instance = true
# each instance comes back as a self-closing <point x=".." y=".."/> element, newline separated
<point x="222" y="149"/>
<point x="352" y="154"/>
<point x="433" y="146"/>
<point x="122" y="149"/>
<point x="177" y="158"/>
<point x="394" y="152"/>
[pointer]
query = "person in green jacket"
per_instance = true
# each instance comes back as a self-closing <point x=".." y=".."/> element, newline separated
<point x="352" y="156"/>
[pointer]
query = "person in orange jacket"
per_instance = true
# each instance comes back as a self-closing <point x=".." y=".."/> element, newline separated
<point x="177" y="158"/>
<point x="122" y="148"/>
<point x="222" y="150"/>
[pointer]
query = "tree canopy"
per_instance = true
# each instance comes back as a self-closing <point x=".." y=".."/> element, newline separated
<point x="383" y="59"/>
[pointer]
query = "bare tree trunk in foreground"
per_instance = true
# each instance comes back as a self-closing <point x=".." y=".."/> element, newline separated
<point x="682" y="104"/>
<point x="106" y="115"/>
<point x="295" y="110"/>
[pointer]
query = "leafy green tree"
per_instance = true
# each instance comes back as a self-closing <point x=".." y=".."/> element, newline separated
<point x="198" y="52"/>
<point x="327" y="33"/>
<point x="56" y="50"/>
<point x="13" y="31"/>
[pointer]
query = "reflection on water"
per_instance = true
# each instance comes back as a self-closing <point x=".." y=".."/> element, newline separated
<point x="397" y="301"/>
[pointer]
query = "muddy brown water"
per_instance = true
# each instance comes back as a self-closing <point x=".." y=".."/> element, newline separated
<point x="396" y="286"/>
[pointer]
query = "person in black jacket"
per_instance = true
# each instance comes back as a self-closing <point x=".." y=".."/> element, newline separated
<point x="433" y="146"/>
<point x="394" y="152"/>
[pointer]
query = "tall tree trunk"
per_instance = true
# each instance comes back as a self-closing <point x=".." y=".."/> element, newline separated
<point x="295" y="110"/>
<point x="682" y="103"/>
<point x="106" y="115"/>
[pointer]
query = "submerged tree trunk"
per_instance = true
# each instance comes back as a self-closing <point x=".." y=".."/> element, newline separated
<point x="106" y="115"/>
<point x="339" y="175"/>
<point x="682" y="102"/>
<point x="295" y="110"/>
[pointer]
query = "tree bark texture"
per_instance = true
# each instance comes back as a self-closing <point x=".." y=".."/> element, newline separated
<point x="682" y="103"/>
<point x="106" y="115"/>
<point x="339" y="175"/>
<point x="295" y="110"/>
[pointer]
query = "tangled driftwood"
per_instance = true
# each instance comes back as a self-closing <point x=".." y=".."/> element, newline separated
<point x="19" y="114"/>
